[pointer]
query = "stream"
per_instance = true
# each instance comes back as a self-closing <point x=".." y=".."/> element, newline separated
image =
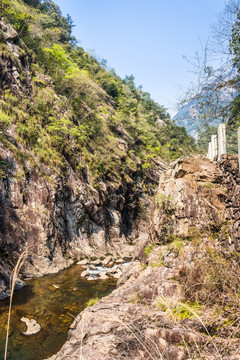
<point x="53" y="300"/>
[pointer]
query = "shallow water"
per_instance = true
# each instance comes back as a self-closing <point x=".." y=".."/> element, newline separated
<point x="53" y="308"/>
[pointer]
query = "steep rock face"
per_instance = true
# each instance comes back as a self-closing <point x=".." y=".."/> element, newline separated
<point x="191" y="195"/>
<point x="60" y="219"/>
<point x="149" y="316"/>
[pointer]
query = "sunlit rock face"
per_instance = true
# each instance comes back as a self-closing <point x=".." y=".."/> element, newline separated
<point x="195" y="206"/>
<point x="60" y="217"/>
<point x="7" y="32"/>
<point x="195" y="193"/>
<point x="191" y="195"/>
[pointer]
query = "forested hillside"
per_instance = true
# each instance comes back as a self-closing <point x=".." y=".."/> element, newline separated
<point x="66" y="107"/>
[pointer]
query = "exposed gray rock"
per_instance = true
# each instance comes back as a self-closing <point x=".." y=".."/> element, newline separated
<point x="96" y="262"/>
<point x="7" y="31"/>
<point x="32" y="326"/>
<point x="111" y="271"/>
<point x="160" y="123"/>
<point x="119" y="261"/>
<point x="191" y="194"/>
<point x="103" y="276"/>
<point x="116" y="276"/>
<point x="83" y="262"/>
<point x="92" y="267"/>
<point x="115" y="327"/>
<point x="85" y="274"/>
<point x="231" y="180"/>
<point x="107" y="260"/>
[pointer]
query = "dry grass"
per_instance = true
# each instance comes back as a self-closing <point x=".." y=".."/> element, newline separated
<point x="212" y="279"/>
<point x="177" y="311"/>
<point x="13" y="280"/>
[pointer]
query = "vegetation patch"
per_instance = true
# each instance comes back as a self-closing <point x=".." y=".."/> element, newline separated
<point x="148" y="250"/>
<point x="92" y="301"/>
<point x="176" y="245"/>
<point x="166" y="203"/>
<point x="179" y="310"/>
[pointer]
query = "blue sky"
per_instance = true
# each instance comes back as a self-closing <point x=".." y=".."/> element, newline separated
<point x="146" y="38"/>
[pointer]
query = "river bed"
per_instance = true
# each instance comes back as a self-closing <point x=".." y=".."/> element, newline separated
<point x="53" y="300"/>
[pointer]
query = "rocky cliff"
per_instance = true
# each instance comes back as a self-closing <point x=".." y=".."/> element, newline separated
<point x="60" y="214"/>
<point x="80" y="149"/>
<point x="179" y="297"/>
<point x="62" y="218"/>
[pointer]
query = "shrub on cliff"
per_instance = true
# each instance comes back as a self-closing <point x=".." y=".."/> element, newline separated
<point x="70" y="108"/>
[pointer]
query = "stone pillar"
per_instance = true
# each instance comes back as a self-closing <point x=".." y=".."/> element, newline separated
<point x="214" y="146"/>
<point x="238" y="135"/>
<point x="209" y="155"/>
<point x="221" y="140"/>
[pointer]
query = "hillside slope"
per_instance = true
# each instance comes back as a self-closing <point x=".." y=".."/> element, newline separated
<point x="81" y="149"/>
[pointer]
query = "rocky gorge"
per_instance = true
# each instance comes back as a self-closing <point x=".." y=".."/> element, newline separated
<point x="60" y="214"/>
<point x="151" y="314"/>
<point x="97" y="186"/>
<point x="64" y="220"/>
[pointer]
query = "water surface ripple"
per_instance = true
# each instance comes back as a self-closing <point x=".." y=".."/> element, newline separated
<point x="53" y="300"/>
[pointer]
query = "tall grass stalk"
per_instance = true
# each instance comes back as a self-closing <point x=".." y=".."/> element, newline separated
<point x="172" y="304"/>
<point x="13" y="280"/>
<point x="149" y="352"/>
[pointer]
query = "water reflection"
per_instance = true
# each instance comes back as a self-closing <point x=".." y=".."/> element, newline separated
<point x="53" y="301"/>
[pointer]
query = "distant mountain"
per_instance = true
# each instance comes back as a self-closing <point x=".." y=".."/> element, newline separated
<point x="190" y="116"/>
<point x="199" y="112"/>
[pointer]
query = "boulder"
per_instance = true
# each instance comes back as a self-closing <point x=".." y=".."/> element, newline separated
<point x="160" y="123"/>
<point x="106" y="261"/>
<point x="103" y="276"/>
<point x="83" y="262"/>
<point x="85" y="273"/>
<point x="96" y="262"/>
<point x="32" y="326"/>
<point x="119" y="261"/>
<point x="8" y="32"/>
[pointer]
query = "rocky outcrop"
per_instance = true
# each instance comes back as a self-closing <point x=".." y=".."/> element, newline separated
<point x="139" y="320"/>
<point x="126" y="324"/>
<point x="14" y="62"/>
<point x="191" y="196"/>
<point x="7" y="32"/>
<point x="148" y="316"/>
